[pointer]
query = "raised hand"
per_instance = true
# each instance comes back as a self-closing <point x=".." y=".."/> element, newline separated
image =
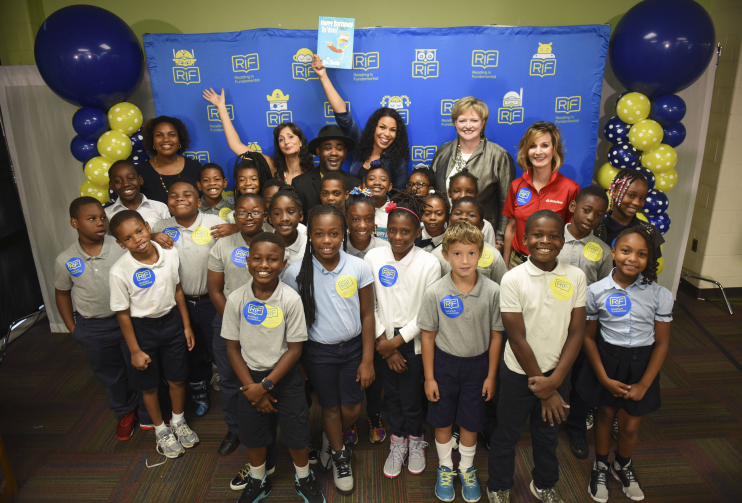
<point x="212" y="97"/>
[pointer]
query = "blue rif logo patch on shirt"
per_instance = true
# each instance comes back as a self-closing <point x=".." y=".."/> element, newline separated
<point x="172" y="232"/>
<point x="452" y="306"/>
<point x="75" y="266"/>
<point x="239" y="256"/>
<point x="388" y="275"/>
<point x="523" y="197"/>
<point x="255" y="313"/>
<point x="144" y="278"/>
<point x="618" y="304"/>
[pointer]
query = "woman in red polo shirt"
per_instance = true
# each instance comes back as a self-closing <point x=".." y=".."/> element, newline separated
<point x="540" y="188"/>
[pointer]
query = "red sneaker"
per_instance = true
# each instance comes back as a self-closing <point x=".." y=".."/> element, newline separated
<point x="125" y="428"/>
<point x="147" y="427"/>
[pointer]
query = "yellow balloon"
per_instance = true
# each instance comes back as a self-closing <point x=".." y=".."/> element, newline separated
<point x="90" y="189"/>
<point x="96" y="170"/>
<point x="605" y="175"/>
<point x="633" y="107"/>
<point x="646" y="134"/>
<point x="125" y="117"/>
<point x="660" y="265"/>
<point x="666" y="180"/>
<point x="661" y="158"/>
<point x="641" y="217"/>
<point x="114" y="145"/>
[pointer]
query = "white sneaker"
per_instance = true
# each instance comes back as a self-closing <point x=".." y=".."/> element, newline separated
<point x="325" y="453"/>
<point x="341" y="471"/>
<point x="168" y="445"/>
<point x="416" y="459"/>
<point x="186" y="436"/>
<point x="396" y="459"/>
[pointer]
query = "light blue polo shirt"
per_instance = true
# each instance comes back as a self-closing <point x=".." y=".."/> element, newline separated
<point x="338" y="312"/>
<point x="627" y="316"/>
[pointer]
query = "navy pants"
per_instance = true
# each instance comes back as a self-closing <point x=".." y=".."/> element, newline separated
<point x="576" y="421"/>
<point x="202" y="313"/>
<point x="402" y="394"/>
<point x="228" y="382"/>
<point x="373" y="392"/>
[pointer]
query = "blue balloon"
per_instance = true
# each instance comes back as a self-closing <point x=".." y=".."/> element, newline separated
<point x="89" y="56"/>
<point x="668" y="109"/>
<point x="662" y="46"/>
<point x="138" y="157"/>
<point x="616" y="131"/>
<point x="137" y="141"/>
<point x="662" y="222"/>
<point x="90" y="122"/>
<point x="648" y="174"/>
<point x="674" y="134"/>
<point x="83" y="149"/>
<point x="655" y="203"/>
<point x="624" y="156"/>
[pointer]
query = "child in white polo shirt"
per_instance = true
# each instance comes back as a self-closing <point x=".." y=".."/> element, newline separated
<point x="543" y="310"/>
<point x="126" y="182"/>
<point x="145" y="291"/>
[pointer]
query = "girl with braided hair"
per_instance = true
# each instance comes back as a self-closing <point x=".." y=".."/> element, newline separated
<point x="625" y="358"/>
<point x="379" y="182"/>
<point x="337" y="292"/>
<point x="435" y="218"/>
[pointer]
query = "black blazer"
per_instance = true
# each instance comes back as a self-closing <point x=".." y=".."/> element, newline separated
<point x="308" y="185"/>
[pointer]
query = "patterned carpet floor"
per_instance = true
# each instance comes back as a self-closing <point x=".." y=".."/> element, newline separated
<point x="60" y="435"/>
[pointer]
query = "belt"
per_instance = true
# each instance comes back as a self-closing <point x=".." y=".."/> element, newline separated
<point x="196" y="298"/>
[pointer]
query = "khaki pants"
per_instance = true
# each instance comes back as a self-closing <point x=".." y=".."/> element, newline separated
<point x="515" y="260"/>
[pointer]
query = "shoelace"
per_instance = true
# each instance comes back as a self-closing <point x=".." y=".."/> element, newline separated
<point x="183" y="430"/>
<point x="416" y="448"/>
<point x="396" y="453"/>
<point x="343" y="467"/>
<point x="244" y="472"/>
<point x="470" y="478"/>
<point x="447" y="477"/>
<point x="127" y="419"/>
<point x="629" y="474"/>
<point x="602" y="476"/>
<point x="166" y="440"/>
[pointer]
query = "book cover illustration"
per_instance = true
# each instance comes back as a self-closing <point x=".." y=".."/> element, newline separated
<point x="335" y="41"/>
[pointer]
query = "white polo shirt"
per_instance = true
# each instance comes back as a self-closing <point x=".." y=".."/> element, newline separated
<point x="374" y="243"/>
<point x="152" y="211"/>
<point x="295" y="252"/>
<point x="148" y="291"/>
<point x="399" y="287"/>
<point x="491" y="264"/>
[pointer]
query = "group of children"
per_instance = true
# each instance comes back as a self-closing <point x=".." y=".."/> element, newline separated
<point x="404" y="296"/>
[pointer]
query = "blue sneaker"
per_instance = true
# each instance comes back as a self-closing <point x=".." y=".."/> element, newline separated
<point x="444" y="484"/>
<point x="470" y="489"/>
<point x="200" y="397"/>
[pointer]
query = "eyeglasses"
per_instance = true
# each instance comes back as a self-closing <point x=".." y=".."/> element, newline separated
<point x="418" y="184"/>
<point x="245" y="214"/>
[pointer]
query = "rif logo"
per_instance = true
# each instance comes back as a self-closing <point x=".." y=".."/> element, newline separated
<point x="365" y="61"/>
<point x="345" y="283"/>
<point x="184" y="72"/>
<point x="328" y="109"/>
<point x="450" y="303"/>
<point x="618" y="301"/>
<point x="512" y="108"/>
<point x="201" y="156"/>
<point x="425" y="65"/>
<point x="213" y="113"/>
<point x="568" y="104"/>
<point x="279" y="112"/>
<point x="484" y="59"/>
<point x="255" y="309"/>
<point x="562" y="285"/>
<point x="398" y="103"/>
<point x="245" y="63"/>
<point x="301" y="68"/>
<point x="543" y="62"/>
<point x="424" y="153"/>
<point x="74" y="264"/>
<point x="143" y="275"/>
<point x="447" y="106"/>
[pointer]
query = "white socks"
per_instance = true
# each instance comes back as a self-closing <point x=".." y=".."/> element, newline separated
<point x="177" y="418"/>
<point x="467" y="457"/>
<point x="159" y="429"/>
<point x="301" y="472"/>
<point x="257" y="472"/>
<point x="444" y="454"/>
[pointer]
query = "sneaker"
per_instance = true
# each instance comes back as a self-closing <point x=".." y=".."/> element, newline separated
<point x="550" y="495"/>
<point x="350" y="436"/>
<point x="376" y="431"/>
<point x="416" y="458"/>
<point x="397" y="456"/>
<point x="455" y="438"/>
<point x="313" y="454"/>
<point x="590" y="418"/>
<point x="239" y="480"/>
<point x="308" y="490"/>
<point x="255" y="490"/>
<point x="498" y="496"/>
<point x="168" y="445"/>
<point x="215" y="381"/>
<point x="598" y="487"/>
<point x="614" y="430"/>
<point x="150" y="426"/>
<point x="200" y="398"/>
<point x="325" y="453"/>
<point x="632" y="488"/>
<point x="186" y="436"/>
<point x="470" y="489"/>
<point x="341" y="471"/>
<point x="125" y="428"/>
<point x="444" y="484"/>
<point x="579" y="447"/>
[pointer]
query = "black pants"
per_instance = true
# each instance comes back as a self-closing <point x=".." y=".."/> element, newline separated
<point x="517" y="404"/>
<point x="373" y="392"/>
<point x="402" y="394"/>
<point x="201" y="312"/>
<point x="228" y="382"/>
<point x="576" y="421"/>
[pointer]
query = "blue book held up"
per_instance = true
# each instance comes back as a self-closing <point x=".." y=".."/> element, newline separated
<point x="335" y="41"/>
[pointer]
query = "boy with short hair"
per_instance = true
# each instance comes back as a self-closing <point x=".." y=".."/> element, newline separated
<point x="265" y="328"/>
<point x="211" y="181"/>
<point x="81" y="278"/>
<point x="145" y="291"/>
<point x="543" y="311"/>
<point x="334" y="189"/>
<point x="126" y="183"/>
<point x="461" y="344"/>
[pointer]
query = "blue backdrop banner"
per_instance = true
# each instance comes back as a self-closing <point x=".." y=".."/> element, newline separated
<point x="524" y="74"/>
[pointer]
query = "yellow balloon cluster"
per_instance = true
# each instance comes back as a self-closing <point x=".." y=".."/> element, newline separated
<point x="646" y="134"/>
<point x="605" y="175"/>
<point x="114" y="145"/>
<point x="633" y="107"/>
<point x="96" y="171"/>
<point x="659" y="159"/>
<point x="89" y="189"/>
<point x="125" y="117"/>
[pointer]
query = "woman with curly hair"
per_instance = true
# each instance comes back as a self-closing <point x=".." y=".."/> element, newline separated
<point x="166" y="138"/>
<point x="385" y="135"/>
<point x="291" y="157"/>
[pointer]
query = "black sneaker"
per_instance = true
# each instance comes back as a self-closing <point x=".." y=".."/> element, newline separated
<point x="579" y="447"/>
<point x="255" y="490"/>
<point x="598" y="487"/>
<point x="631" y="486"/>
<point x="308" y="490"/>
<point x="313" y="454"/>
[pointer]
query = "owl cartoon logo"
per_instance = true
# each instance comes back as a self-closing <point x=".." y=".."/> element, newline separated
<point x="425" y="65"/>
<point x="184" y="58"/>
<point x="301" y="68"/>
<point x="184" y="71"/>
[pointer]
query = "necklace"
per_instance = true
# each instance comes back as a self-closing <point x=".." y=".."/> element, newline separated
<point x="157" y="170"/>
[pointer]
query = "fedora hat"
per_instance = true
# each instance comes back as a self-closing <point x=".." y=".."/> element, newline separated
<point x="331" y="132"/>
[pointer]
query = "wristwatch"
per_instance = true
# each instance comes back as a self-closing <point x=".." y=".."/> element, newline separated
<point x="267" y="384"/>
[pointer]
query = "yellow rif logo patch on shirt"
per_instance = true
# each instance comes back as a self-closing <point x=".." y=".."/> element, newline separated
<point x="224" y="212"/>
<point x="592" y="251"/>
<point x="273" y="317"/>
<point x="562" y="288"/>
<point x="201" y="235"/>
<point x="488" y="256"/>
<point x="346" y="286"/>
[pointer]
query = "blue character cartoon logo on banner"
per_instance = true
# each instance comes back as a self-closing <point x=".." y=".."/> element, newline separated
<point x="512" y="108"/>
<point x="425" y="65"/>
<point x="568" y="104"/>
<point x="484" y="59"/>
<point x="301" y="68"/>
<point x="184" y="72"/>
<point x="245" y="63"/>
<point x="365" y="61"/>
<point x="398" y="103"/>
<point x="543" y="62"/>
<point x="279" y="112"/>
<point x="423" y="153"/>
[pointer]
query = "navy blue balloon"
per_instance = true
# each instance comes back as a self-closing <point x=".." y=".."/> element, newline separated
<point x="648" y="174"/>
<point x="83" y="149"/>
<point x="616" y="131"/>
<point x="138" y="157"/>
<point x="624" y="156"/>
<point x="90" y="122"/>
<point x="137" y="141"/>
<point x="674" y="134"/>
<point x="662" y="222"/>
<point x="655" y="204"/>
<point x="662" y="46"/>
<point x="89" y="56"/>
<point x="667" y="109"/>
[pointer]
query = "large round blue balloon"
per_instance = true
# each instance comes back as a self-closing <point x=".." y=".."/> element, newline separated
<point x="655" y="203"/>
<point x="624" y="156"/>
<point x="83" y="149"/>
<point x="662" y="46"/>
<point x="662" y="222"/>
<point x="674" y="134"/>
<point x="648" y="174"/>
<point x="90" y="122"/>
<point x="89" y="56"/>
<point x="668" y="109"/>
<point x="616" y="131"/>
